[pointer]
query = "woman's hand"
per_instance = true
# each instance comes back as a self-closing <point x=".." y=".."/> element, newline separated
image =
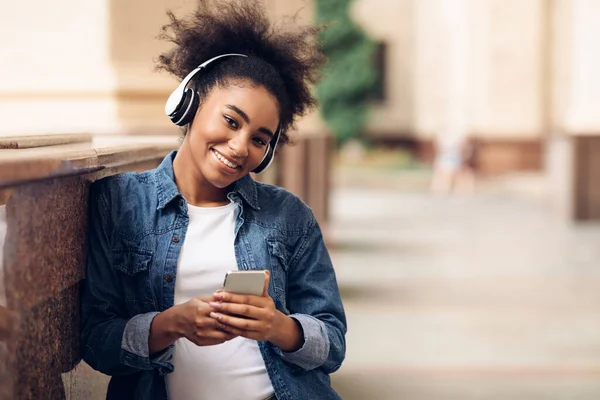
<point x="190" y="320"/>
<point x="196" y="324"/>
<point x="255" y="317"/>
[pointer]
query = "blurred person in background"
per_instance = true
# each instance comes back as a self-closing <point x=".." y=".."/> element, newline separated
<point x="161" y="242"/>
<point x="454" y="165"/>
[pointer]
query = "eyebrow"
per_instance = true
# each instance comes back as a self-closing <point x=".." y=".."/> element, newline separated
<point x="245" y="118"/>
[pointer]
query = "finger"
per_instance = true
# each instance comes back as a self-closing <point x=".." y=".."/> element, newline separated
<point x="266" y="287"/>
<point x="242" y="333"/>
<point x="231" y="330"/>
<point x="228" y="335"/>
<point x="244" y="310"/>
<point x="239" y="323"/>
<point x="213" y="334"/>
<point x="249" y="299"/>
<point x="245" y="334"/>
<point x="206" y="323"/>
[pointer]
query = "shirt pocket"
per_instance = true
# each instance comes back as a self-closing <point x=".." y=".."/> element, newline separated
<point x="279" y="256"/>
<point x="133" y="267"/>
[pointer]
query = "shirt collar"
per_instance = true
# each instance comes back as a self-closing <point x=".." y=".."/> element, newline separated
<point x="165" y="181"/>
<point x="246" y="188"/>
<point x="167" y="189"/>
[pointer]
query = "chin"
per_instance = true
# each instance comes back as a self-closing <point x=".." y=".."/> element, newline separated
<point x="221" y="184"/>
<point x="220" y="181"/>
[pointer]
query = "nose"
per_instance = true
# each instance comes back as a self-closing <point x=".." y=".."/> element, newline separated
<point x="238" y="145"/>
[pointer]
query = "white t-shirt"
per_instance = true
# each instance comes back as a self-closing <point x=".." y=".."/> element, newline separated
<point x="228" y="371"/>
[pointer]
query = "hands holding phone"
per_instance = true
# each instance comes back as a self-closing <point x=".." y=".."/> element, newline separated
<point x="210" y="321"/>
<point x="198" y="327"/>
<point x="245" y="315"/>
<point x="255" y="317"/>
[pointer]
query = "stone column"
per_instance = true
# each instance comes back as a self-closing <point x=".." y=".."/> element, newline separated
<point x="43" y="220"/>
<point x="574" y="146"/>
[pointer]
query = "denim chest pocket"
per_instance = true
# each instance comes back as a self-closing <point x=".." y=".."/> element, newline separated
<point x="279" y="256"/>
<point x="133" y="267"/>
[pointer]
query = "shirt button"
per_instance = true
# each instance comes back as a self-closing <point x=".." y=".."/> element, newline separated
<point x="180" y="201"/>
<point x="175" y="239"/>
<point x="169" y="278"/>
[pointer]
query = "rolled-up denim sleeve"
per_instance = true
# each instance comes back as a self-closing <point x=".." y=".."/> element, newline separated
<point x="316" y="343"/>
<point x="315" y="302"/>
<point x="136" y="349"/>
<point x="112" y="343"/>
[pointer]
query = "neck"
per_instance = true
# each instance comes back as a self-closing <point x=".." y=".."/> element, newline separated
<point x="190" y="182"/>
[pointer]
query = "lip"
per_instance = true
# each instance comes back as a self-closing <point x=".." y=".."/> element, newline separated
<point x="225" y="168"/>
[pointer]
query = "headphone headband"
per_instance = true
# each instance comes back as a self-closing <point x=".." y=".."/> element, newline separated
<point x="176" y="98"/>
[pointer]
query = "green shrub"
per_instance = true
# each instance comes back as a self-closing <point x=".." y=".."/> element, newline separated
<point x="349" y="76"/>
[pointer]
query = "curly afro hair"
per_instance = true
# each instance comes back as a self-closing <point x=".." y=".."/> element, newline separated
<point x="286" y="60"/>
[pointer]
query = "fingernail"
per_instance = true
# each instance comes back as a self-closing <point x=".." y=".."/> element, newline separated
<point x="214" y="304"/>
<point x="214" y="315"/>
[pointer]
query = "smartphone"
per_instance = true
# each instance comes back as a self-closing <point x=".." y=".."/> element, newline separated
<point x="245" y="282"/>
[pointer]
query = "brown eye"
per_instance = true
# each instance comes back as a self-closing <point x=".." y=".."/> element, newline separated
<point x="260" y="142"/>
<point x="230" y="121"/>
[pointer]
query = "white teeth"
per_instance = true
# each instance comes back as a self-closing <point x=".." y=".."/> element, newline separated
<point x="224" y="160"/>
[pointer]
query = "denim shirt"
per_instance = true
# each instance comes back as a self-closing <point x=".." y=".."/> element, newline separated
<point x="137" y="226"/>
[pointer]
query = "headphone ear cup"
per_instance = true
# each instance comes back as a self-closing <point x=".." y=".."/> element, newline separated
<point x="186" y="112"/>
<point x="266" y="161"/>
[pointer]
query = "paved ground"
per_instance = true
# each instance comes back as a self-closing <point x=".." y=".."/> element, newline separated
<point x="488" y="297"/>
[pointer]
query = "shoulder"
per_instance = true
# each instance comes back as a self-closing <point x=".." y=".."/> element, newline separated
<point x="284" y="208"/>
<point x="119" y="184"/>
<point x="128" y="187"/>
<point x="271" y="195"/>
<point x="126" y="203"/>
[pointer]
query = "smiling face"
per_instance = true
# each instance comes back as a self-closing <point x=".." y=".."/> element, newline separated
<point x="230" y="133"/>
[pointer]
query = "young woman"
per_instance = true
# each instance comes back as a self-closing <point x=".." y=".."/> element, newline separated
<point x="160" y="242"/>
